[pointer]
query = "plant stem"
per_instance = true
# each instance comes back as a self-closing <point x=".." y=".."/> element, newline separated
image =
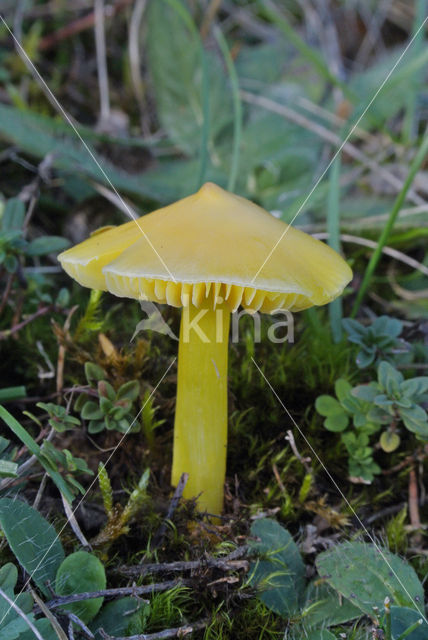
<point x="371" y="267"/>
<point x="200" y="432"/>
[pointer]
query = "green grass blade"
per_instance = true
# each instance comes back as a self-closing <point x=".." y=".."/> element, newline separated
<point x="237" y="108"/>
<point x="12" y="393"/>
<point x="35" y="450"/>
<point x="371" y="267"/>
<point x="333" y="229"/>
<point x="421" y="10"/>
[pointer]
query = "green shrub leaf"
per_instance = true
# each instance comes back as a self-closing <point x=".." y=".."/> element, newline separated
<point x="366" y="576"/>
<point x="80" y="572"/>
<point x="33" y="541"/>
<point x="281" y="574"/>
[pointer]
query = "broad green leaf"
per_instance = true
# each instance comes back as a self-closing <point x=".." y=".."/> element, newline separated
<point x="402" y="618"/>
<point x="366" y="575"/>
<point x="280" y="575"/>
<point x="33" y="541"/>
<point x="387" y="325"/>
<point x="328" y="406"/>
<point x="336" y="423"/>
<point x="40" y="135"/>
<point x="342" y="388"/>
<point x="325" y="607"/>
<point x="365" y="358"/>
<point x="91" y="411"/>
<point x="94" y="372"/>
<point x="389" y="378"/>
<point x="47" y="244"/>
<point x="80" y="572"/>
<point x="415" y="386"/>
<point x="45" y="629"/>
<point x="174" y="60"/>
<point x="116" y="617"/>
<point x="129" y="390"/>
<point x="416" y="420"/>
<point x="13" y="214"/>
<point x="260" y="64"/>
<point x="13" y="629"/>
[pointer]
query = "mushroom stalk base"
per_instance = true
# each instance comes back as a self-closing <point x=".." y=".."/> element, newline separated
<point x="200" y="432"/>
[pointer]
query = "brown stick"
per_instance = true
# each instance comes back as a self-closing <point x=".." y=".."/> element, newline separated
<point x="177" y="632"/>
<point x="414" y="516"/>
<point x="231" y="562"/>
<point x="62" y="351"/>
<point x="77" y="26"/>
<point x="40" y="312"/>
<point x="146" y="589"/>
<point x="7" y="291"/>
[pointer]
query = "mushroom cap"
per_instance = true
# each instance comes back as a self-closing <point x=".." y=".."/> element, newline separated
<point x="215" y="247"/>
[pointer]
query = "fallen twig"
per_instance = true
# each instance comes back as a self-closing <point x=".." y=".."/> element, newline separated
<point x="177" y="632"/>
<point x="414" y="516"/>
<point x="81" y="24"/>
<point x="306" y="462"/>
<point x="231" y="562"/>
<point x="146" y="589"/>
<point x="388" y="251"/>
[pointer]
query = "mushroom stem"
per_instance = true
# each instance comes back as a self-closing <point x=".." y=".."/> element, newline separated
<point x="200" y="432"/>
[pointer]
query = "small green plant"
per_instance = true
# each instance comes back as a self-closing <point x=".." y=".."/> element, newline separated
<point x="14" y="625"/>
<point x="59" y="419"/>
<point x="13" y="244"/>
<point x="355" y="579"/>
<point x="38" y="549"/>
<point x="118" y="517"/>
<point x="166" y="609"/>
<point x="61" y="466"/>
<point x="148" y="419"/>
<point x="360" y="412"/>
<point x="113" y="409"/>
<point x="378" y="341"/>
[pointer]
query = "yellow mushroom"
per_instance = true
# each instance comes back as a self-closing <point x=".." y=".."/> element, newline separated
<point x="208" y="253"/>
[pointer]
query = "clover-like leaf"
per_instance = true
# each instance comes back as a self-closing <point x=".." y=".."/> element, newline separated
<point x="95" y="426"/>
<point x="342" y="388"/>
<point x="389" y="441"/>
<point x="365" y="357"/>
<point x="105" y="390"/>
<point x="129" y="390"/>
<point x="78" y="573"/>
<point x="415" y="420"/>
<point x="328" y="406"/>
<point x="389" y="378"/>
<point x="91" y="411"/>
<point x="93" y="372"/>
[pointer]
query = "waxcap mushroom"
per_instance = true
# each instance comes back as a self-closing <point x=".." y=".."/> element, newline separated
<point x="208" y="253"/>
<point x="209" y="246"/>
